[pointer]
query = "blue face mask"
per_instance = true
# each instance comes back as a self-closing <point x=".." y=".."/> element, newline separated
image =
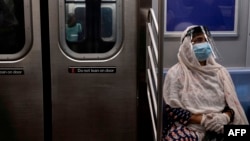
<point x="202" y="51"/>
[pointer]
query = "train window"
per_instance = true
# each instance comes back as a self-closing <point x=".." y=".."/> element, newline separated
<point x="89" y="28"/>
<point x="220" y="16"/>
<point x="107" y="21"/>
<point x="15" y="38"/>
<point x="75" y="25"/>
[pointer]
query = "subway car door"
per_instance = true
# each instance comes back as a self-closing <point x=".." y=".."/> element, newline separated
<point x="21" y="84"/>
<point x="93" y="70"/>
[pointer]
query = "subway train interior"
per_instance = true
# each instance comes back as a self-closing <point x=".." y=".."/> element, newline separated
<point x="93" y="70"/>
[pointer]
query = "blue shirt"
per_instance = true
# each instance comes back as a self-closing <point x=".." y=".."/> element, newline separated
<point x="72" y="32"/>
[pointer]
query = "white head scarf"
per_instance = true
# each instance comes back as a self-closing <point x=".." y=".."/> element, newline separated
<point x="200" y="89"/>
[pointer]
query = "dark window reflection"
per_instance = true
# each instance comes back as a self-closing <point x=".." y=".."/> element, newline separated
<point x="106" y="22"/>
<point x="12" y="36"/>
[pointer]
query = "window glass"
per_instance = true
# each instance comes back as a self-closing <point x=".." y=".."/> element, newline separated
<point x="75" y="25"/>
<point x="107" y="22"/>
<point x="12" y="33"/>
<point x="90" y="27"/>
<point x="217" y="15"/>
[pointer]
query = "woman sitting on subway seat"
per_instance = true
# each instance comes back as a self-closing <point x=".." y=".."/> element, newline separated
<point x="199" y="94"/>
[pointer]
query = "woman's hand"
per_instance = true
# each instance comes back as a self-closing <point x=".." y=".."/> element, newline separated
<point x="215" y="121"/>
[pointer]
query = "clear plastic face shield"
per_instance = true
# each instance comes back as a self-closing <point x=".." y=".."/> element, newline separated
<point x="200" y="34"/>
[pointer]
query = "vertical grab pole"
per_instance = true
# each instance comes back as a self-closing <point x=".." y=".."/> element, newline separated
<point x="161" y="5"/>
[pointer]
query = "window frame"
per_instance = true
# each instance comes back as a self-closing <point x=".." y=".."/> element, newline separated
<point x="28" y="36"/>
<point x="231" y="33"/>
<point x="90" y="57"/>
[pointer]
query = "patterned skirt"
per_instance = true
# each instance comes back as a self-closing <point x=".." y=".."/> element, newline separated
<point x="180" y="133"/>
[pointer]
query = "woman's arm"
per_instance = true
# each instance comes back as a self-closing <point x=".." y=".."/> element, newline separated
<point x="230" y="112"/>
<point x="195" y="118"/>
<point x="184" y="116"/>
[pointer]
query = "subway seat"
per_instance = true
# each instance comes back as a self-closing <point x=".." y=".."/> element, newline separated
<point x="241" y="80"/>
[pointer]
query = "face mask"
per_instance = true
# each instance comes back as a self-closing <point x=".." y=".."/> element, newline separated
<point x="202" y="51"/>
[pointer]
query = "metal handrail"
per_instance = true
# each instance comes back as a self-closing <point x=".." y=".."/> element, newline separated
<point x="153" y="76"/>
<point x="153" y="40"/>
<point x="151" y="13"/>
<point x="151" y="114"/>
<point x="152" y="64"/>
<point x="152" y="94"/>
<point x="155" y="61"/>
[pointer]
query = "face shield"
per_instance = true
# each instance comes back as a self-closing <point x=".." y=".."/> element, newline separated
<point x="200" y="34"/>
